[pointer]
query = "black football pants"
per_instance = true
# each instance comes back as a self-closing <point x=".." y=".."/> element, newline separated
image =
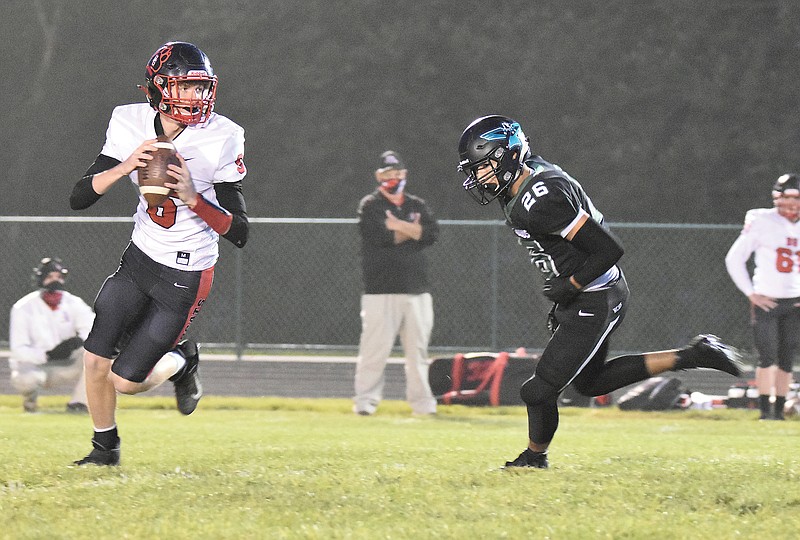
<point x="576" y="353"/>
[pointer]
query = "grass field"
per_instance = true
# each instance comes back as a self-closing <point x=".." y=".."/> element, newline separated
<point x="283" y="468"/>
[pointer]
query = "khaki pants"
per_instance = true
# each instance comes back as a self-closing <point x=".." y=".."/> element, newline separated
<point x="383" y="317"/>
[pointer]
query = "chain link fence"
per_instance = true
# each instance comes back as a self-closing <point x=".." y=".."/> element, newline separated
<point x="297" y="283"/>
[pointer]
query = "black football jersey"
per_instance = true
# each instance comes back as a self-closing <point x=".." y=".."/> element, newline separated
<point x="546" y="203"/>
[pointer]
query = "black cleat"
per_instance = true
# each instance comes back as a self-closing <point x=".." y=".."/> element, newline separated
<point x="100" y="455"/>
<point x="529" y="458"/>
<point x="30" y="404"/>
<point x="77" y="408"/>
<point x="188" y="389"/>
<point x="707" y="351"/>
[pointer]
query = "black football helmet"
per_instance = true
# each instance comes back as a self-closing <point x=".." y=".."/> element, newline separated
<point x="499" y="142"/>
<point x="786" y="183"/>
<point x="175" y="63"/>
<point x="785" y="195"/>
<point x="43" y="269"/>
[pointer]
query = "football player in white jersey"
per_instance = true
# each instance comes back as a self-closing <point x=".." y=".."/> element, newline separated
<point x="165" y="275"/>
<point x="771" y="235"/>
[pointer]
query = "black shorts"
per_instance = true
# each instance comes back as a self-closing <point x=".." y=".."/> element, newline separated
<point x="143" y="310"/>
<point x="584" y="327"/>
<point x="777" y="334"/>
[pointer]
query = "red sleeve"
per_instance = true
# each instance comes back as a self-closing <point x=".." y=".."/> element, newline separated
<point x="217" y="218"/>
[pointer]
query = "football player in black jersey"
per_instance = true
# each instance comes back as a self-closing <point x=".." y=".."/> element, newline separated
<point x="568" y="241"/>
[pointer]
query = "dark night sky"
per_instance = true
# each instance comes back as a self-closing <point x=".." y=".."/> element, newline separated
<point x="661" y="119"/>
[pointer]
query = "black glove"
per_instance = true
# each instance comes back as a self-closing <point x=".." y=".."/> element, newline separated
<point x="63" y="350"/>
<point x="560" y="290"/>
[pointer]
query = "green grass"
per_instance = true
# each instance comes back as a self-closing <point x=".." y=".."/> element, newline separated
<point x="291" y="468"/>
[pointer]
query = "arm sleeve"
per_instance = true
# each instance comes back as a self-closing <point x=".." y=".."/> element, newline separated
<point x="20" y="343"/>
<point x="602" y="247"/>
<point x="430" y="227"/>
<point x="372" y="226"/>
<point x="230" y="197"/>
<point x="83" y="195"/>
<point x="736" y="262"/>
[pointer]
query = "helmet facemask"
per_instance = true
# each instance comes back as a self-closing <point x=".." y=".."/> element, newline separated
<point x="500" y="164"/>
<point x="165" y="92"/>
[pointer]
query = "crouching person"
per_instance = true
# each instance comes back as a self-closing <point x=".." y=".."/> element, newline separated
<point x="46" y="332"/>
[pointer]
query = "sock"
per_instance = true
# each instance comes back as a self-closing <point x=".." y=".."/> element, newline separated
<point x="780" y="403"/>
<point x="107" y="438"/>
<point x="764" y="406"/>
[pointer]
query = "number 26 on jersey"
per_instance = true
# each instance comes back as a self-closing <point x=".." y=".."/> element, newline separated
<point x="538" y="189"/>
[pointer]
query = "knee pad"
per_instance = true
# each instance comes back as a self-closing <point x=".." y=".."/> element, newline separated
<point x="536" y="391"/>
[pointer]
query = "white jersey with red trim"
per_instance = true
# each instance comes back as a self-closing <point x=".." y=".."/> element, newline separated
<point x="172" y="234"/>
<point x="774" y="241"/>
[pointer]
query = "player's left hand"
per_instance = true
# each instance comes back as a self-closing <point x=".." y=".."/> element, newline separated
<point x="183" y="185"/>
<point x="560" y="290"/>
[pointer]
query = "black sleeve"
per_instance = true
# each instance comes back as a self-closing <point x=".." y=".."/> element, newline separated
<point x="372" y="223"/>
<point x="603" y="248"/>
<point x="229" y="196"/>
<point x="430" y="227"/>
<point x="83" y="196"/>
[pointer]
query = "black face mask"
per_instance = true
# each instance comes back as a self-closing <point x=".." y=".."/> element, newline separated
<point x="54" y="286"/>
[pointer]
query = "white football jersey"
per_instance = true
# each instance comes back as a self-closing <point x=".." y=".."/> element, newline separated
<point x="774" y="240"/>
<point x="172" y="234"/>
<point x="34" y="328"/>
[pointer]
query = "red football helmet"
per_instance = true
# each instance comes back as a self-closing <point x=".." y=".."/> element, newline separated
<point x="786" y="196"/>
<point x="172" y="66"/>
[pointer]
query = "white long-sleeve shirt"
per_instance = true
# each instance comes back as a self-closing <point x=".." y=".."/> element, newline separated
<point x="773" y="240"/>
<point x="35" y="328"/>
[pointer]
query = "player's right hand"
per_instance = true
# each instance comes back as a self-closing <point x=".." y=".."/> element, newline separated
<point x="139" y="157"/>
<point x="763" y="302"/>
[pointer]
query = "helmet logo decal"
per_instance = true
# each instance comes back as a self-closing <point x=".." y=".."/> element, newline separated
<point x="506" y="130"/>
<point x="159" y="58"/>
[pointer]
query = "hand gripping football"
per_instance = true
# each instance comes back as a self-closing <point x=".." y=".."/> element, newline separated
<point x="153" y="175"/>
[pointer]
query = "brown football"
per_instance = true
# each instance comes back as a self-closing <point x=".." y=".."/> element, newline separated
<point x="153" y="175"/>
